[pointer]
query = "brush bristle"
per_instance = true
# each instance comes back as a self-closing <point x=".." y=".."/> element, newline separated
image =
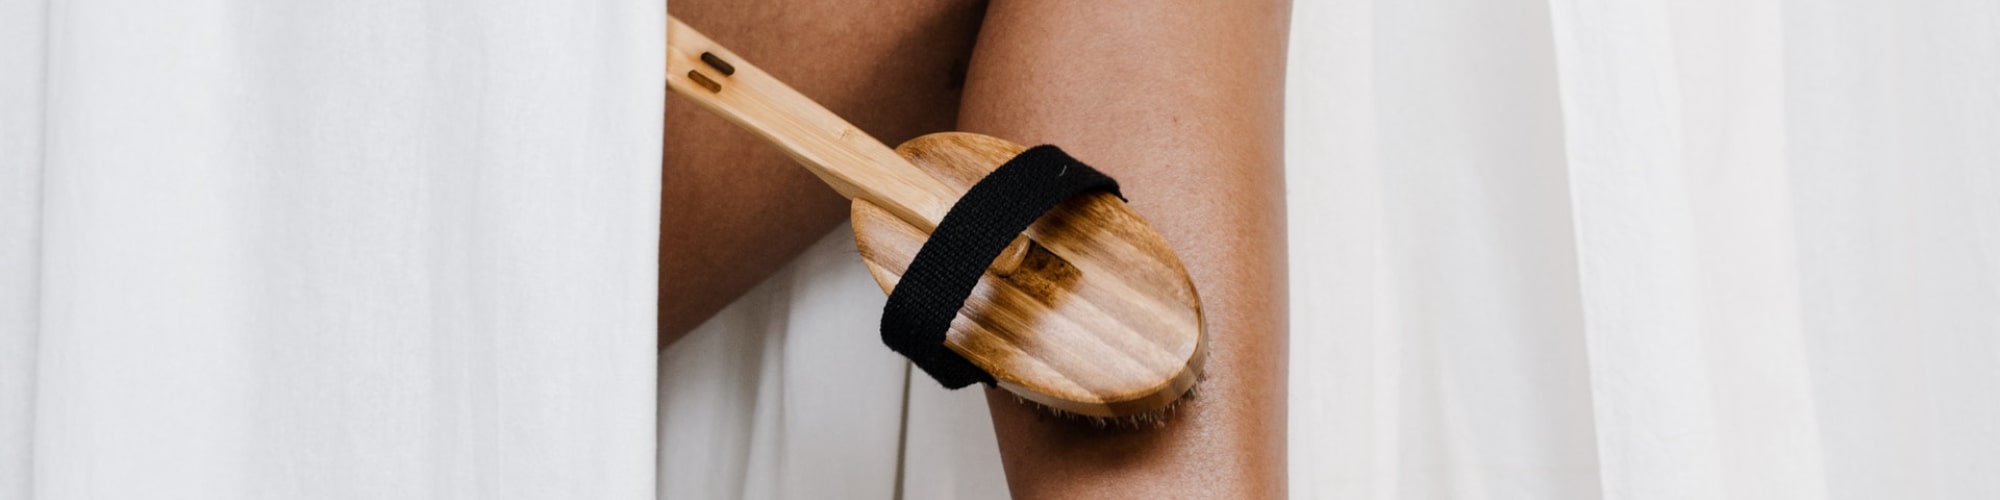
<point x="1149" y="419"/>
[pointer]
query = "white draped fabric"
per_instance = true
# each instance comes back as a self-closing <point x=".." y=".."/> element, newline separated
<point x="357" y="249"/>
<point x="1654" y="249"/>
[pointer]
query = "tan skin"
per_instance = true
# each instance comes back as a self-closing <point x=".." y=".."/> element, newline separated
<point x="1182" y="102"/>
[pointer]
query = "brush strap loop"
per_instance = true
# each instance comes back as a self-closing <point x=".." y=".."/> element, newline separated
<point x="979" y="226"/>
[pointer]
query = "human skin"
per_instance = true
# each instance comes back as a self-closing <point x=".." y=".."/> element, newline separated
<point x="1182" y="102"/>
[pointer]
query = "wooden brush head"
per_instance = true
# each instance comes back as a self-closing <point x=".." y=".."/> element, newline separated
<point x="1094" y="316"/>
<point x="1098" y="318"/>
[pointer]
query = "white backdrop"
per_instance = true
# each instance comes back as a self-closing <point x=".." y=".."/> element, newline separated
<point x="1656" y="249"/>
<point x="1541" y="249"/>
<point x="359" y="249"/>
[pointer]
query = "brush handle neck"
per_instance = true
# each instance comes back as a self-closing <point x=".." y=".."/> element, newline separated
<point x="847" y="159"/>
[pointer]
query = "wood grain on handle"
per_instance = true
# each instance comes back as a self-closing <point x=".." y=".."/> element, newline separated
<point x="847" y="159"/>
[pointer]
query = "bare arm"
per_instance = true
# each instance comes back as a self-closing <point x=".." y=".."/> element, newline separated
<point x="1183" y="103"/>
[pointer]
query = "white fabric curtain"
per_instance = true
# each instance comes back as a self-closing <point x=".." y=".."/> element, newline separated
<point x="1652" y="249"/>
<point x="303" y="249"/>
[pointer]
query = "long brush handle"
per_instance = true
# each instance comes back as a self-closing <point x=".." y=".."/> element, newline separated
<point x="854" y="164"/>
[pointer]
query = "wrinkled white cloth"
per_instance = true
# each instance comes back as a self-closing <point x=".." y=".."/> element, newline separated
<point x="301" y="249"/>
<point x="1650" y="249"/>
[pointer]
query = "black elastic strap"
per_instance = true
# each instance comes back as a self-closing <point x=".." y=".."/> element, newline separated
<point x="975" y="231"/>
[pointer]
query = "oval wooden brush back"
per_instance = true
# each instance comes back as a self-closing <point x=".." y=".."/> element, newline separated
<point x="1095" y="316"/>
<point x="1098" y="319"/>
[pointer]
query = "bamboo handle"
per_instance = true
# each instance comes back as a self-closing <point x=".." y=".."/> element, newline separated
<point x="847" y="159"/>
